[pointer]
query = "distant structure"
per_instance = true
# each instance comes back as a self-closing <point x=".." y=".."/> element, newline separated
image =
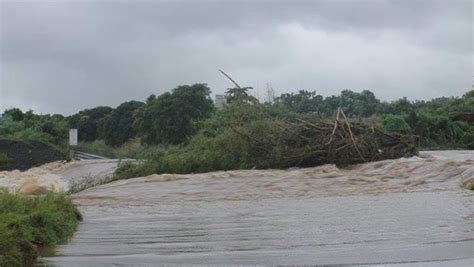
<point x="220" y="101"/>
<point x="270" y="93"/>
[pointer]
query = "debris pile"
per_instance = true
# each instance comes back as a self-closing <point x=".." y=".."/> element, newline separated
<point x="278" y="143"/>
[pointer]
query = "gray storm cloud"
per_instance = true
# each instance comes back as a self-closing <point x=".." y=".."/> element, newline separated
<point x="64" y="56"/>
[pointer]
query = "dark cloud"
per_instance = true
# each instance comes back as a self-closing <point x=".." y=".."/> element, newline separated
<point x="63" y="56"/>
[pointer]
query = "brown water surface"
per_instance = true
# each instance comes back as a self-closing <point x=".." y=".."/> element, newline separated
<point x="405" y="210"/>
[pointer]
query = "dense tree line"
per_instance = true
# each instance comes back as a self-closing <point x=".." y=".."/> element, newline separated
<point x="177" y="116"/>
<point x="15" y="124"/>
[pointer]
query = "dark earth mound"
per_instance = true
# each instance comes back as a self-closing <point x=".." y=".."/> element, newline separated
<point x="23" y="155"/>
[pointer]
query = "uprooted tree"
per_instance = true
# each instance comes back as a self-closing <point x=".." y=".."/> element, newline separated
<point x="282" y="143"/>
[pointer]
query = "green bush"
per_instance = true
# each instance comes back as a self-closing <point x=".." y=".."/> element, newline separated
<point x="395" y="123"/>
<point x="31" y="127"/>
<point x="5" y="161"/>
<point x="439" y="131"/>
<point x="130" y="169"/>
<point x="29" y="223"/>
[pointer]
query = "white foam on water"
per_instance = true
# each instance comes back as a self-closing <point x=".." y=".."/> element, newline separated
<point x="34" y="180"/>
<point x="58" y="176"/>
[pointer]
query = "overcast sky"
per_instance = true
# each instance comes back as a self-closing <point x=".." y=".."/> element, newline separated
<point x="64" y="56"/>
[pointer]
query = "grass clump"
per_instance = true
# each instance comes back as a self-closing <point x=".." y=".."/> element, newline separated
<point x="30" y="223"/>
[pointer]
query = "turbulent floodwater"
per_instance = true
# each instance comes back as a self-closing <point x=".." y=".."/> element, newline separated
<point x="405" y="210"/>
<point x="59" y="176"/>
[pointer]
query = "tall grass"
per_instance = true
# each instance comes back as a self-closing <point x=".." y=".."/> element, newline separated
<point x="30" y="223"/>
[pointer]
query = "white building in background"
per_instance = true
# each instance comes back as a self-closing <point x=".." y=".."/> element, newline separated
<point x="220" y="101"/>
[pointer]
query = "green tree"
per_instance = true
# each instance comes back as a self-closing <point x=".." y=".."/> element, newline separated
<point x="56" y="127"/>
<point x="118" y="129"/>
<point x="301" y="102"/>
<point x="239" y="95"/>
<point x="89" y="122"/>
<point x="170" y="118"/>
<point x="15" y="113"/>
<point x="355" y="104"/>
<point x="399" y="106"/>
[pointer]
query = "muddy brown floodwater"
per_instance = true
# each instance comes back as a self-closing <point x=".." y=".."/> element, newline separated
<point x="393" y="211"/>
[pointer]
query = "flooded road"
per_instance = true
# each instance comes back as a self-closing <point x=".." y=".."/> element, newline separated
<point x="405" y="210"/>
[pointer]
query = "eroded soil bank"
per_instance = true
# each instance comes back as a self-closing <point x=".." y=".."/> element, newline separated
<point x="405" y="210"/>
<point x="22" y="155"/>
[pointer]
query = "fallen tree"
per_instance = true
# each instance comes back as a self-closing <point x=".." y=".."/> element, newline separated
<point x="278" y="143"/>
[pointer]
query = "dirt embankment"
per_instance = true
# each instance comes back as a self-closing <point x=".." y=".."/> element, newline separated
<point x="23" y="155"/>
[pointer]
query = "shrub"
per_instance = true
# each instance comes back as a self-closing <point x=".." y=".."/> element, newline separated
<point x="395" y="123"/>
<point x="42" y="128"/>
<point x="29" y="223"/>
<point x="439" y="131"/>
<point x="130" y="169"/>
